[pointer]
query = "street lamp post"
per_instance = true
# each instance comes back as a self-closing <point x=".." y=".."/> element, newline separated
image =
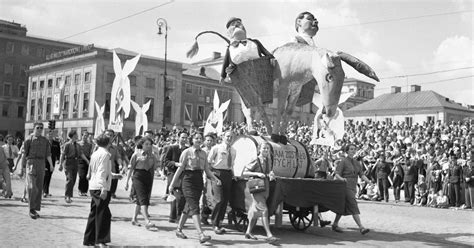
<point x="162" y="22"/>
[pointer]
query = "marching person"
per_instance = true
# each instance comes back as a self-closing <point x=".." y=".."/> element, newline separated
<point x="55" y="154"/>
<point x="192" y="163"/>
<point x="221" y="160"/>
<point x="116" y="159"/>
<point x="209" y="142"/>
<point x="37" y="149"/>
<point x="322" y="168"/>
<point x="100" y="179"/>
<point x="143" y="164"/>
<point x="5" y="177"/>
<point x="261" y="167"/>
<point x="83" y="166"/>
<point x="348" y="170"/>
<point x="70" y="157"/>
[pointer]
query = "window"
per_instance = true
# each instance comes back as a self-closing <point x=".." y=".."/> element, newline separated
<point x="66" y="106"/>
<point x="58" y="80"/>
<point x="107" y="105"/>
<point x="32" y="110"/>
<point x="133" y="115"/>
<point x="67" y="81"/>
<point x="150" y="83"/>
<point x="75" y="105"/>
<point x="5" y="110"/>
<point x="388" y="120"/>
<point x="133" y="80"/>
<point x="150" y="111"/>
<point x="33" y="85"/>
<point x="7" y="88"/>
<point x="200" y="113"/>
<point x="189" y="88"/>
<point x="200" y="90"/>
<point x="87" y="77"/>
<point x="40" y="109"/>
<point x="50" y="83"/>
<point x="77" y="78"/>
<point x="188" y="112"/>
<point x="41" y="86"/>
<point x="20" y="111"/>
<point x="48" y="107"/>
<point x="25" y="49"/>
<point x="23" y="70"/>
<point x="8" y="69"/>
<point x="430" y="119"/>
<point x="10" y="48"/>
<point x="85" y="105"/>
<point x="409" y="121"/>
<point x="22" y="91"/>
<point x="110" y="78"/>
<point x="40" y="52"/>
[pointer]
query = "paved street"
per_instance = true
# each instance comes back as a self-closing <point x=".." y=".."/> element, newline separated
<point x="392" y="225"/>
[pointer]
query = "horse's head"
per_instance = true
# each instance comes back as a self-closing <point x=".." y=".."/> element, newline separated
<point x="330" y="78"/>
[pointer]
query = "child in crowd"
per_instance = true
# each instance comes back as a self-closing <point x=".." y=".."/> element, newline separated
<point x="431" y="201"/>
<point x="442" y="200"/>
<point x="421" y="192"/>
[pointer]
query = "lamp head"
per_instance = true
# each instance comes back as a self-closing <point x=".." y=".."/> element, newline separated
<point x="159" y="28"/>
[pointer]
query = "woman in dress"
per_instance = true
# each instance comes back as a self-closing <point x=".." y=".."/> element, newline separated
<point x="348" y="170"/>
<point x="192" y="163"/>
<point x="260" y="168"/>
<point x="143" y="164"/>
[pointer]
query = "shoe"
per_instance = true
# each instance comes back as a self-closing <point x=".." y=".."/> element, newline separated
<point x="219" y="231"/>
<point x="114" y="196"/>
<point x="68" y="200"/>
<point x="101" y="245"/>
<point x="151" y="227"/>
<point x="271" y="240"/>
<point x="180" y="234"/>
<point x="250" y="236"/>
<point x="172" y="221"/>
<point x="135" y="223"/>
<point x="337" y="229"/>
<point x="24" y="200"/>
<point x="33" y="214"/>
<point x="364" y="231"/>
<point x="324" y="223"/>
<point x="164" y="197"/>
<point x="45" y="195"/>
<point x="205" y="222"/>
<point x="204" y="238"/>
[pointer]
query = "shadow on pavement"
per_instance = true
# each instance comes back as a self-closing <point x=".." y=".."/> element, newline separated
<point x="57" y="217"/>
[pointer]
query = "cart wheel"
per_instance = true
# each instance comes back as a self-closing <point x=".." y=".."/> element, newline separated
<point x="239" y="219"/>
<point x="301" y="219"/>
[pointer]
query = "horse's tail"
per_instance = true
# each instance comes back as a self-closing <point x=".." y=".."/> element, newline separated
<point x="195" y="47"/>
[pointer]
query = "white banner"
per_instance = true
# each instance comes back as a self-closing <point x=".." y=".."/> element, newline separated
<point x="56" y="103"/>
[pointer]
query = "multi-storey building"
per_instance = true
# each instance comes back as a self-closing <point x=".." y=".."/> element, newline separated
<point x="17" y="52"/>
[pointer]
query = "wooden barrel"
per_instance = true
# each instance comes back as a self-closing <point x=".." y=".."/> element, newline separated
<point x="291" y="160"/>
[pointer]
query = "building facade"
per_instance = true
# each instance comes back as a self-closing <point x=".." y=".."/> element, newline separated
<point x="17" y="52"/>
<point x="411" y="107"/>
<point x="88" y="76"/>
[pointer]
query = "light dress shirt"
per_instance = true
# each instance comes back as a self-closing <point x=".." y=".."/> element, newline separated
<point x="100" y="170"/>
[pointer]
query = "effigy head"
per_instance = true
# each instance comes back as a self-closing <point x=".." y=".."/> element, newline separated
<point x="330" y="77"/>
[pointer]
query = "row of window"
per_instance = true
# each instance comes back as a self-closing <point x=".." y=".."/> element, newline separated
<point x="24" y="49"/>
<point x="188" y="112"/>
<point x="64" y="108"/>
<point x="6" y="111"/>
<point x="149" y="82"/>
<point x="8" y="69"/>
<point x="7" y="90"/>
<point x="67" y="81"/>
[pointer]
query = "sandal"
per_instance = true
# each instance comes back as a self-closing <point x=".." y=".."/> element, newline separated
<point x="151" y="227"/>
<point x="364" y="231"/>
<point x="135" y="223"/>
<point x="250" y="236"/>
<point x="204" y="238"/>
<point x="337" y="229"/>
<point x="272" y="239"/>
<point x="180" y="234"/>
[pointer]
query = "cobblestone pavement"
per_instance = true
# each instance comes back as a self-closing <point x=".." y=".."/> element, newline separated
<point x="63" y="225"/>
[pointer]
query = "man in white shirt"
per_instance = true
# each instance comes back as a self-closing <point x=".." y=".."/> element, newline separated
<point x="11" y="151"/>
<point x="221" y="159"/>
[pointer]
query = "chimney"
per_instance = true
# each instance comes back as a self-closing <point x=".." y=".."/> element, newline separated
<point x="203" y="71"/>
<point x="415" y="88"/>
<point x="396" y="89"/>
<point x="216" y="55"/>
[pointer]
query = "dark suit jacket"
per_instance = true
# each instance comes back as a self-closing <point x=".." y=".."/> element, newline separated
<point x="227" y="61"/>
<point x="410" y="170"/>
<point x="173" y="152"/>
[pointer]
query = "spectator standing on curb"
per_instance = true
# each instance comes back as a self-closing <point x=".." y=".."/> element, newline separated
<point x="83" y="166"/>
<point x="55" y="154"/>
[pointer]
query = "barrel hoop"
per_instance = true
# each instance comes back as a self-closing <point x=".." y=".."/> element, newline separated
<point x="297" y="159"/>
<point x="271" y="151"/>
<point x="308" y="159"/>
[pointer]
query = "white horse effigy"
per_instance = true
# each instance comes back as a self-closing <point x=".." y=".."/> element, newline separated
<point x="120" y="95"/>
<point x="141" y="119"/>
<point x="215" y="120"/>
<point x="99" y="121"/>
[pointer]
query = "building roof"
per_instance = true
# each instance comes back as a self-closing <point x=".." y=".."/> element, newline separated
<point x="421" y="100"/>
<point x="355" y="80"/>
<point x="193" y="70"/>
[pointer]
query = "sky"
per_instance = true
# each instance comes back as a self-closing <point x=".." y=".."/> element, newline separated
<point x="399" y="39"/>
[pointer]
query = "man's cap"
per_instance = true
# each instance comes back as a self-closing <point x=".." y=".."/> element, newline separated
<point x="232" y="19"/>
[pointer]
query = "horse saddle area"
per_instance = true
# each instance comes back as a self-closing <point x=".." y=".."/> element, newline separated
<point x="253" y="79"/>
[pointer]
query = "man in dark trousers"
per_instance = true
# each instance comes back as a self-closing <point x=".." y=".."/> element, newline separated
<point x="454" y="175"/>
<point x="409" y="180"/>
<point x="86" y="148"/>
<point x="173" y="152"/>
<point x="55" y="153"/>
<point x="70" y="157"/>
<point x="115" y="158"/>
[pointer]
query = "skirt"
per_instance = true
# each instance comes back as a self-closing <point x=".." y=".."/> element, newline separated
<point x="142" y="183"/>
<point x="259" y="201"/>
<point x="351" y="202"/>
<point x="192" y="186"/>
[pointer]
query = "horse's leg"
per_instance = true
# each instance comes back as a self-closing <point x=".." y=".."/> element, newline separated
<point x="281" y="98"/>
<point x="293" y="95"/>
